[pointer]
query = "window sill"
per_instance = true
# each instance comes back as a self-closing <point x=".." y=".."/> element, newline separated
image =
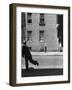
<point x="42" y="24"/>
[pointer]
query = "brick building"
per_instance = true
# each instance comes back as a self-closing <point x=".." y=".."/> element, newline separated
<point x="40" y="31"/>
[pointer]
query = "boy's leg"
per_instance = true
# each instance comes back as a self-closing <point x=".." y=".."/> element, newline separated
<point x="26" y="63"/>
<point x="33" y="61"/>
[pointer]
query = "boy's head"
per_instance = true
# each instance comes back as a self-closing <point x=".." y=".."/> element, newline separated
<point x="24" y="42"/>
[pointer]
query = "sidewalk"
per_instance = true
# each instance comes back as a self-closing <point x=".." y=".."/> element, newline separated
<point x="47" y="53"/>
<point x="46" y="60"/>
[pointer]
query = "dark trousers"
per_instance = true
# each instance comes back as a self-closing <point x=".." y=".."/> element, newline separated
<point x="29" y="59"/>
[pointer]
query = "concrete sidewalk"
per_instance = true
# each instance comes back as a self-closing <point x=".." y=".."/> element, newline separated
<point x="46" y="61"/>
<point x="47" y="53"/>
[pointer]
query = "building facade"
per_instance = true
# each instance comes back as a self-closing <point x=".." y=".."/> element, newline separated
<point x="40" y="31"/>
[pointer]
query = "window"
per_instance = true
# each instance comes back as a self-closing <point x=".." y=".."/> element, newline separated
<point x="29" y="21"/>
<point x="29" y="35"/>
<point x="29" y="14"/>
<point x="29" y="17"/>
<point x="41" y="35"/>
<point x="42" y="22"/>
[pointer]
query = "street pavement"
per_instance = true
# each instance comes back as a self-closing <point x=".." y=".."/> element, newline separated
<point x="41" y="72"/>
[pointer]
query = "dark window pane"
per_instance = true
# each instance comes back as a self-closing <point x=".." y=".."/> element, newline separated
<point x="29" y="21"/>
<point x="29" y="14"/>
<point x="41" y="15"/>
